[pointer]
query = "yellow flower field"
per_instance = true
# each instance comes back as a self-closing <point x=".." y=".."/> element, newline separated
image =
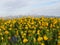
<point x="30" y="31"/>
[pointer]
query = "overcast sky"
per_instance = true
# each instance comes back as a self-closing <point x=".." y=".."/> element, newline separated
<point x="29" y="7"/>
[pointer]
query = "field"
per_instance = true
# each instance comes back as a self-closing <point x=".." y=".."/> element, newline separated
<point x="30" y="31"/>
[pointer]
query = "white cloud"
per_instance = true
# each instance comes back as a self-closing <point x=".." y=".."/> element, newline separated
<point x="52" y="10"/>
<point x="17" y="7"/>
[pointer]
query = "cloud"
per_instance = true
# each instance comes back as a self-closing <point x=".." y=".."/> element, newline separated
<point x="52" y="10"/>
<point x="25" y="7"/>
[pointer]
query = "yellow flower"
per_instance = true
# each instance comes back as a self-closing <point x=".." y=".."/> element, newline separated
<point x="43" y="24"/>
<point x="41" y="27"/>
<point x="23" y="36"/>
<point x="22" y="32"/>
<point x="5" y="23"/>
<point x="51" y="25"/>
<point x="42" y="44"/>
<point x="51" y="18"/>
<point x="0" y="33"/>
<point x="55" y="21"/>
<point x="46" y="24"/>
<point x="58" y="33"/>
<point x="39" y="39"/>
<point x="32" y="23"/>
<point x="29" y="31"/>
<point x="45" y="37"/>
<point x="25" y="40"/>
<point x="57" y="26"/>
<point x="9" y="37"/>
<point x="29" y="16"/>
<point x="8" y="21"/>
<point x="33" y="31"/>
<point x="58" y="43"/>
<point x="38" y="32"/>
<point x="58" y="36"/>
<point x="13" y="21"/>
<point x="34" y="28"/>
<point x="47" y="30"/>
<point x="26" y="27"/>
<point x="29" y="25"/>
<point x="39" y="22"/>
<point x="6" y="32"/>
<point x="10" y="28"/>
<point x="29" y="34"/>
<point x="3" y="27"/>
<point x="0" y="29"/>
<point x="16" y="32"/>
<point x="2" y="38"/>
<point x="11" y="25"/>
<point x="34" y="40"/>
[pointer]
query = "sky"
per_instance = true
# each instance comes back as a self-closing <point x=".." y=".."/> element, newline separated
<point x="29" y="7"/>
